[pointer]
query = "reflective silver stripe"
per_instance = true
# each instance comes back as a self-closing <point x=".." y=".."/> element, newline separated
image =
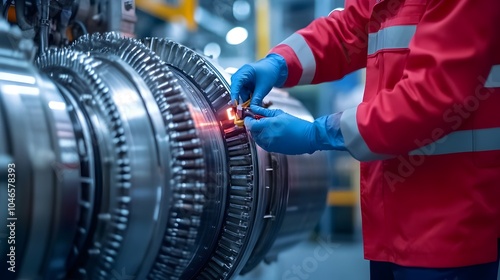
<point x="336" y="10"/>
<point x="393" y="37"/>
<point x="493" y="80"/>
<point x="305" y="55"/>
<point x="477" y="140"/>
<point x="464" y="141"/>
<point x="353" y="140"/>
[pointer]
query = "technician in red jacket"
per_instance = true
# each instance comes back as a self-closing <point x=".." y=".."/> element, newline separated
<point x="427" y="132"/>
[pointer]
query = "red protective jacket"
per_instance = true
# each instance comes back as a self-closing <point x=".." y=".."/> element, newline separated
<point x="428" y="129"/>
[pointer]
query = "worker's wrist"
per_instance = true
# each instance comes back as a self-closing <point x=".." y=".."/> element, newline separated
<point x="328" y="134"/>
<point x="280" y="63"/>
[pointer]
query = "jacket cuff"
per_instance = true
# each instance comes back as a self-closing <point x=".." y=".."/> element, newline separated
<point x="354" y="142"/>
<point x="328" y="133"/>
<point x="294" y="69"/>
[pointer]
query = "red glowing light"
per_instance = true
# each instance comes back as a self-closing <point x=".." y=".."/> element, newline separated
<point x="230" y="114"/>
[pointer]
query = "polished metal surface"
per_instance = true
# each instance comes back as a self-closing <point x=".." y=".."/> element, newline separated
<point x="128" y="165"/>
<point x="39" y="138"/>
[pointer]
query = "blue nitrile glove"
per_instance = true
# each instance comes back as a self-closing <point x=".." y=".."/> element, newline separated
<point x="258" y="78"/>
<point x="286" y="134"/>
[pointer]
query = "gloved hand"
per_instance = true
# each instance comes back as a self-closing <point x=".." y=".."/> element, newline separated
<point x="258" y="78"/>
<point x="286" y="134"/>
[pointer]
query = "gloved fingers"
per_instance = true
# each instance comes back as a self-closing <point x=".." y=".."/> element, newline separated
<point x="253" y="125"/>
<point x="261" y="90"/>
<point x="260" y="132"/>
<point x="245" y="94"/>
<point x="265" y="112"/>
<point x="236" y="85"/>
<point x="243" y="83"/>
<point x="240" y="88"/>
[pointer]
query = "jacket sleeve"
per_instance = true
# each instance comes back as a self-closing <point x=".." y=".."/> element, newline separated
<point x="450" y="58"/>
<point x="328" y="48"/>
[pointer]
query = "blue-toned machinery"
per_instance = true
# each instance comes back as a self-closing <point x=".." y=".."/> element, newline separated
<point x="126" y="161"/>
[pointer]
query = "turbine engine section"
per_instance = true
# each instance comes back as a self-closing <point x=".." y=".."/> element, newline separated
<point x="128" y="164"/>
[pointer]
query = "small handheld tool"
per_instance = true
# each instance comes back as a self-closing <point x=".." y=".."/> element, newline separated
<point x="241" y="111"/>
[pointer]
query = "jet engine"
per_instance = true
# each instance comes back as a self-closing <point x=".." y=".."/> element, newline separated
<point x="119" y="157"/>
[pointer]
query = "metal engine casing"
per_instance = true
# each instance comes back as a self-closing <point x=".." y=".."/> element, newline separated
<point x="127" y="163"/>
